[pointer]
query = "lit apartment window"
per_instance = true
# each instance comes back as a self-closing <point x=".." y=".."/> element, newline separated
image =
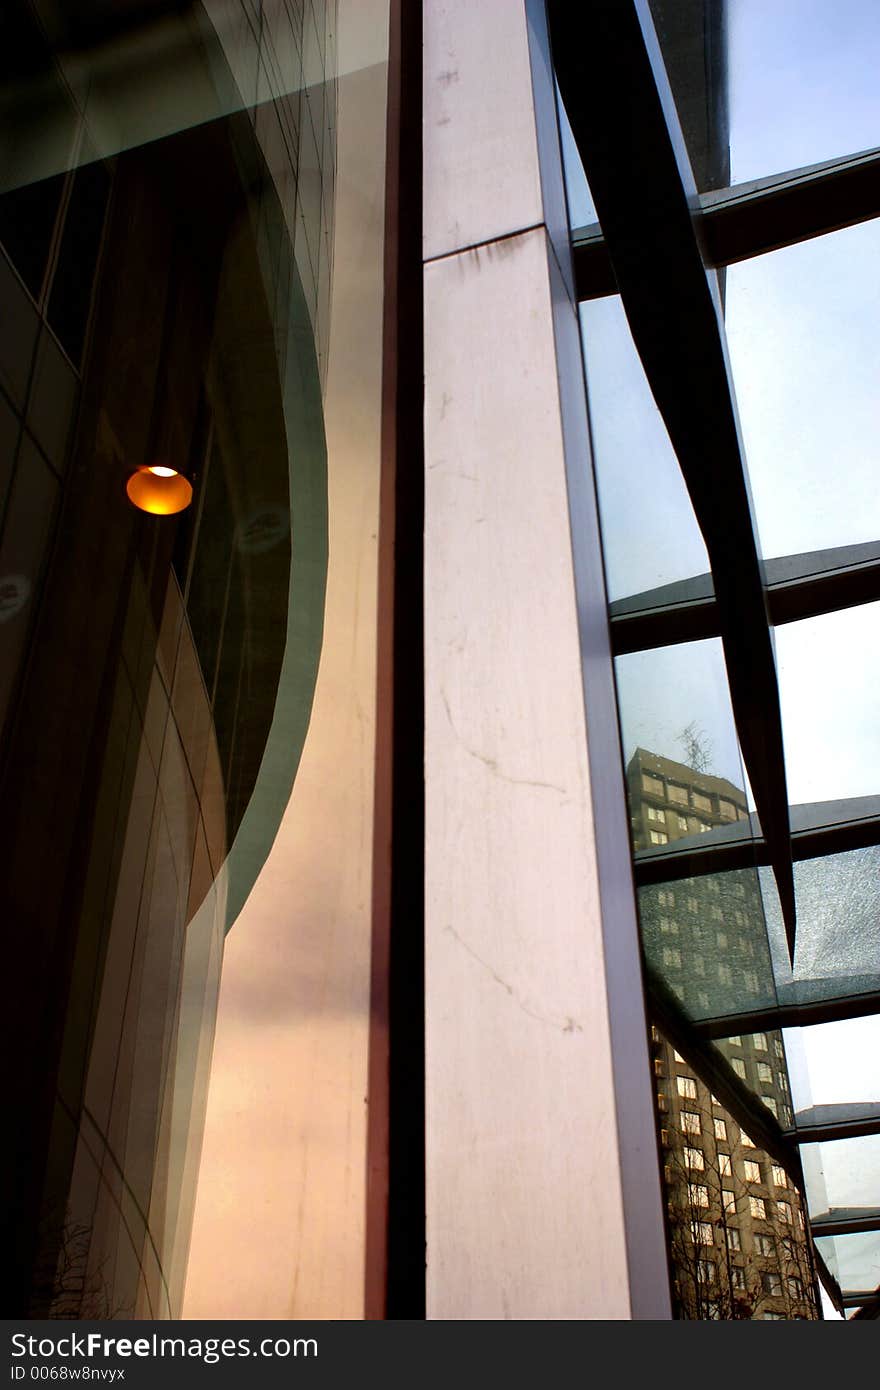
<point x="771" y="1105"/>
<point x="739" y="1067"/>
<point x="735" y="1039"/>
<point x="764" y="1246"/>
<point x="728" y="1200"/>
<point x="686" y="1087"/>
<point x="693" y="1158"/>
<point x="737" y="1275"/>
<point x="672" y="956"/>
<point x="677" y="1055"/>
<point x="666" y="898"/>
<point x="724" y="1167"/>
<point x="704" y="1233"/>
<point x="780" y="1177"/>
<point x="720" y="1130"/>
<point x="706" y="1271"/>
<point x="690" y="1122"/>
<point x="784" y="1212"/>
<point x="765" y="1072"/>
<point x="656" y="815"/>
<point x="771" y="1283"/>
<point x="751" y="1170"/>
<point x="658" y="837"/>
<point x="733" y="1240"/>
<point x="758" y="1208"/>
<point x="717" y="916"/>
<point x="669" y="926"/>
<point x="800" y="1217"/>
<point x="795" y="1286"/>
<point x="778" y="1048"/>
<point x="702" y="827"/>
<point x="698" y="1195"/>
<point x="760" y="1041"/>
<point x="745" y="1140"/>
<point x="682" y="822"/>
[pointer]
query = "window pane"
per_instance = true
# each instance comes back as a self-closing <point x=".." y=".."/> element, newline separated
<point x="834" y="1064"/>
<point x="649" y="534"/>
<point x="829" y="673"/>
<point x="803" y="82"/>
<point x="844" y="1173"/>
<point x="801" y="330"/>
<point x="854" y="1260"/>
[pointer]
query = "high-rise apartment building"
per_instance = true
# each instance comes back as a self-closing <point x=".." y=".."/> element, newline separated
<point x="435" y="651"/>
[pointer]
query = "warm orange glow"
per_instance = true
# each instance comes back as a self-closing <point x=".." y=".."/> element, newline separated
<point x="162" y="491"/>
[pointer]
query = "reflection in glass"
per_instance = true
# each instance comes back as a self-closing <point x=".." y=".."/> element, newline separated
<point x="705" y="940"/>
<point x="801" y="330"/>
<point x="675" y="704"/>
<point x="581" y="209"/>
<point x="649" y="533"/>
<point x="829" y="674"/>
<point x="759" y="1060"/>
<point x="803" y="82"/>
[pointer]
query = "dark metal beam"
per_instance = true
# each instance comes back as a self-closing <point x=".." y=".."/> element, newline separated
<point x="621" y="112"/>
<point x="829" y="1122"/>
<point x="798" y="586"/>
<point x="845" y="1221"/>
<point x="734" y="224"/>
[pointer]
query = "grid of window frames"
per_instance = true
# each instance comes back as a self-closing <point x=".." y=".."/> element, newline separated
<point x="741" y="538"/>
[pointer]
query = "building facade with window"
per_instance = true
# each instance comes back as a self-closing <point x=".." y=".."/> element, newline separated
<point x="437" y="658"/>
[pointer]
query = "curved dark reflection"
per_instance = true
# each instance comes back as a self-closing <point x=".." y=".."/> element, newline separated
<point x="169" y="316"/>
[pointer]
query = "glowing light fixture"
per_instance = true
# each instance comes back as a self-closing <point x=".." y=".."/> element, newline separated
<point x="161" y="491"/>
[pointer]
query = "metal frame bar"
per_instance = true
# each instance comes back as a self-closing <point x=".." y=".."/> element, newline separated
<point x="750" y="219"/>
<point x="616" y="94"/>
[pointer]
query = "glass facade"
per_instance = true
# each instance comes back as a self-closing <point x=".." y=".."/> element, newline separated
<point x="439" y="580"/>
<point x="757" y="892"/>
<point x="166" y="232"/>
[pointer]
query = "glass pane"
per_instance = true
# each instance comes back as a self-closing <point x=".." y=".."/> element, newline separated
<point x="649" y="533"/>
<point x="803" y="82"/>
<point x="581" y="210"/>
<point x="853" y="1260"/>
<point x="675" y="707"/>
<point x="758" y="1059"/>
<point x="844" y="1174"/>
<point x="705" y="941"/>
<point x="834" y="1063"/>
<point x="829" y="674"/>
<point x="837" y="952"/>
<point x="801" y="329"/>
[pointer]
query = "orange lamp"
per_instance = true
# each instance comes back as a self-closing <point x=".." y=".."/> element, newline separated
<point x="161" y="491"/>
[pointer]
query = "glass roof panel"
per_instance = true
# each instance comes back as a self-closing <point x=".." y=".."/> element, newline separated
<point x="649" y="533"/>
<point x="802" y="335"/>
<point x="843" y="1175"/>
<point x="834" y="1064"/>
<point x="802" y="82"/>
<point x="837" y="952"/>
<point x="829" y="674"/>
<point x="854" y="1260"/>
